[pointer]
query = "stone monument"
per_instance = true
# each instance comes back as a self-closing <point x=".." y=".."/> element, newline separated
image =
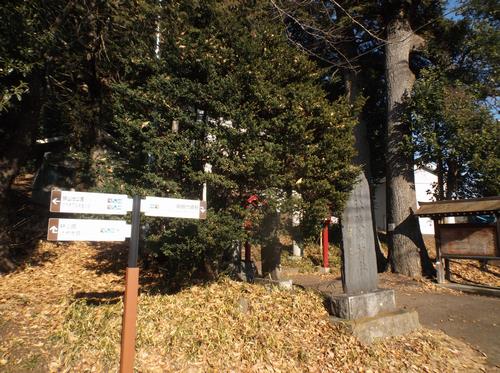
<point x="370" y="312"/>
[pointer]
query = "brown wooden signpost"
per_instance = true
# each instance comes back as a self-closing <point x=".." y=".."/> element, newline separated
<point x="117" y="230"/>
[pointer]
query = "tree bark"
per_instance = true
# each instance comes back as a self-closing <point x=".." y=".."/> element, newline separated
<point x="270" y="245"/>
<point x="440" y="175"/>
<point x="451" y="178"/>
<point x="15" y="151"/>
<point x="408" y="255"/>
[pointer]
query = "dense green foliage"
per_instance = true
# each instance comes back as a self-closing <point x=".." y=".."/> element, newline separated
<point x="246" y="102"/>
<point x="451" y="109"/>
<point x="454" y="131"/>
<point x="112" y="77"/>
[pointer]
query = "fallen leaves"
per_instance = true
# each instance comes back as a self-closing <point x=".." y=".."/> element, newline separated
<point x="64" y="315"/>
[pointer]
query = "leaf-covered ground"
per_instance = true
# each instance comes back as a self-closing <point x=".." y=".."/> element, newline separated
<point x="63" y="313"/>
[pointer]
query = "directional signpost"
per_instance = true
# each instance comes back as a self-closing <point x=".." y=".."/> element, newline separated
<point x="87" y="230"/>
<point x="89" y="203"/>
<point x="117" y="230"/>
<point x="175" y="208"/>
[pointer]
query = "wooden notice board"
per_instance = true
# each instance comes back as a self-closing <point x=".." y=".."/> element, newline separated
<point x="468" y="240"/>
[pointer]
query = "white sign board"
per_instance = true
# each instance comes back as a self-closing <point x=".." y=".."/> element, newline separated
<point x="87" y="230"/>
<point x="89" y="203"/>
<point x="174" y="208"/>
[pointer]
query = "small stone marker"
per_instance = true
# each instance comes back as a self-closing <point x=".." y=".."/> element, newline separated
<point x="271" y="249"/>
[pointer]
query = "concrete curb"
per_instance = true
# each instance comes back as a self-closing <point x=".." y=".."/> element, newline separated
<point x="472" y="289"/>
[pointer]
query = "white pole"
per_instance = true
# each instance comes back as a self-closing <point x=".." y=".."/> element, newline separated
<point x="158" y="36"/>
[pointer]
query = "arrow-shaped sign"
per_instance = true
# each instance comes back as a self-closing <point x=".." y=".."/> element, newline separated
<point x="87" y="230"/>
<point x="174" y="208"/>
<point x="89" y="203"/>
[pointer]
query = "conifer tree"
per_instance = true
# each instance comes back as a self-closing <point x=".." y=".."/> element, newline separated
<point x="247" y="103"/>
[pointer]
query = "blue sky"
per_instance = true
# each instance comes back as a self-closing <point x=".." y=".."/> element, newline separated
<point x="451" y="4"/>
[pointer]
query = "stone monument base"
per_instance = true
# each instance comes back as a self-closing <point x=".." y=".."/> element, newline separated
<point x="383" y="325"/>
<point x="356" y="306"/>
<point x="372" y="315"/>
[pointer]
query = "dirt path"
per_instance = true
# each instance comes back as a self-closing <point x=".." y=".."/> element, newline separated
<point x="472" y="318"/>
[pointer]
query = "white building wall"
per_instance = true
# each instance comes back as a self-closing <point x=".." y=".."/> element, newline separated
<point x="424" y="182"/>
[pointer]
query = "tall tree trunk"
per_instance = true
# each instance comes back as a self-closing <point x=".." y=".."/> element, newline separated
<point x="440" y="176"/>
<point x="21" y="124"/>
<point x="451" y="178"/>
<point x="408" y="255"/>
<point x="358" y="236"/>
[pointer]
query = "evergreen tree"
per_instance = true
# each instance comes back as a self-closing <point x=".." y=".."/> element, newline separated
<point x="248" y="104"/>
<point x="451" y="108"/>
<point x="454" y="131"/>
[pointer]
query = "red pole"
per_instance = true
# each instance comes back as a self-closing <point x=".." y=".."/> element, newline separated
<point x="325" y="244"/>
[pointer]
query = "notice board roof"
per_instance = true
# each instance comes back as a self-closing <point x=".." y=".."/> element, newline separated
<point x="459" y="207"/>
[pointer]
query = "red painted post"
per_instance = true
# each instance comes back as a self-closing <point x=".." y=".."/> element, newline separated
<point x="325" y="243"/>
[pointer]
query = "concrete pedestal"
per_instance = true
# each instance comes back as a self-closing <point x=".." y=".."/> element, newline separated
<point x="368" y="329"/>
<point x="372" y="315"/>
<point x="351" y="307"/>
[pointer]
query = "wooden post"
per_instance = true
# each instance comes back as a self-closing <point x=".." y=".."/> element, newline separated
<point x="497" y="251"/>
<point x="325" y="244"/>
<point x="447" y="270"/>
<point x="127" y="353"/>
<point x="439" y="263"/>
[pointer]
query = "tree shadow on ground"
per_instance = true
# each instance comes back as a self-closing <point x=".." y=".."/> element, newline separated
<point x="153" y="278"/>
<point x="95" y="298"/>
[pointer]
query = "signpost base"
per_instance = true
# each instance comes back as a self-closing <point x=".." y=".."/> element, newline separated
<point x="129" y="320"/>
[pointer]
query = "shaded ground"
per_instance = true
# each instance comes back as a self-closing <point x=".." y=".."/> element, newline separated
<point x="471" y="318"/>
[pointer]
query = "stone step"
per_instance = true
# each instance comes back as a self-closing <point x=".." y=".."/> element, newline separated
<point x="387" y="324"/>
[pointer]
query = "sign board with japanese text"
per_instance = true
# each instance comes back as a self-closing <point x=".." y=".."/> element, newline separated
<point x="174" y="208"/>
<point x="87" y="230"/>
<point x="89" y="203"/>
